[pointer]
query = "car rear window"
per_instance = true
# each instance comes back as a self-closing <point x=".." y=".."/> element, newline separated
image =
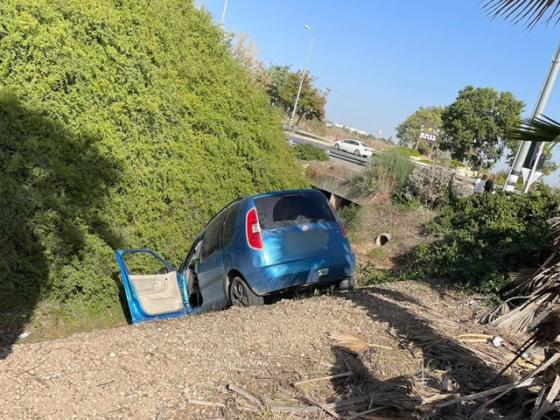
<point x="293" y="209"/>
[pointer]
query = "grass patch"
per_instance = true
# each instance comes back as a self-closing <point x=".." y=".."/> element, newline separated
<point x="377" y="254"/>
<point x="349" y="216"/>
<point x="310" y="152"/>
<point x="369" y="275"/>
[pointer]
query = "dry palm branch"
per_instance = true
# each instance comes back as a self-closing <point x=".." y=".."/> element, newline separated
<point x="539" y="315"/>
<point x="533" y="298"/>
<point x="529" y="11"/>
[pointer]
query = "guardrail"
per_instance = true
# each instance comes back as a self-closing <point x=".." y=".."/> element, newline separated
<point x="289" y="129"/>
<point x="348" y="157"/>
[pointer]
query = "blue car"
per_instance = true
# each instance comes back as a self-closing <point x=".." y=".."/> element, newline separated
<point x="254" y="247"/>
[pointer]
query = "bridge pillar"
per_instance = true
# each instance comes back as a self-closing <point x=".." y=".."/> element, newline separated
<point x="334" y="200"/>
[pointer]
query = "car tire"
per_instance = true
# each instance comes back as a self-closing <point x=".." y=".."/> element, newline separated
<point x="241" y="295"/>
<point x="346" y="284"/>
<point x="357" y="152"/>
<point x="337" y="146"/>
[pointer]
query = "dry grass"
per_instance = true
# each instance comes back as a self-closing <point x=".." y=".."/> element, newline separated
<point x="355" y="343"/>
<point x="404" y="225"/>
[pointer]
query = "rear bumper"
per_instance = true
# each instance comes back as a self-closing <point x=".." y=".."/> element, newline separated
<point x="301" y="273"/>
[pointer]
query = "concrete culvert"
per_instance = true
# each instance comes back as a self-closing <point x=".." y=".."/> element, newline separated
<point x="383" y="239"/>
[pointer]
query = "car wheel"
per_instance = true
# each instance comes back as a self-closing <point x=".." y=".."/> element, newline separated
<point x="357" y="152"/>
<point x="241" y="295"/>
<point x="337" y="146"/>
<point x="346" y="284"/>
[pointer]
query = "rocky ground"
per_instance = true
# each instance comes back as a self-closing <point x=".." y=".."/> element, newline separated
<point x="182" y="368"/>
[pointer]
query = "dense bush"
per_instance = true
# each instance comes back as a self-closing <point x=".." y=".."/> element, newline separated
<point x="386" y="172"/>
<point x="310" y="152"/>
<point x="431" y="186"/>
<point x="481" y="238"/>
<point x="122" y="124"/>
<point x="406" y="151"/>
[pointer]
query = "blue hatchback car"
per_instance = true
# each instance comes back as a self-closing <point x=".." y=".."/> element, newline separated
<point x="254" y="247"/>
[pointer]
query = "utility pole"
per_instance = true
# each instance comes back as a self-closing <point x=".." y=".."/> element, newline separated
<point x="307" y="27"/>
<point x="223" y="19"/>
<point x="523" y="150"/>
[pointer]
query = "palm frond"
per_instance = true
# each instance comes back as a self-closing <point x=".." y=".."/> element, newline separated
<point x="529" y="11"/>
<point x="541" y="129"/>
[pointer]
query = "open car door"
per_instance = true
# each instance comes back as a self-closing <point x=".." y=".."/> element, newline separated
<point x="153" y="288"/>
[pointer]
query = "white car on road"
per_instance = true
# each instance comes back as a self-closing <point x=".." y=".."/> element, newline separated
<point x="353" y="146"/>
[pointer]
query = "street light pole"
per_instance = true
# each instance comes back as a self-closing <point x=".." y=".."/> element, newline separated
<point x="523" y="150"/>
<point x="223" y="19"/>
<point x="307" y="27"/>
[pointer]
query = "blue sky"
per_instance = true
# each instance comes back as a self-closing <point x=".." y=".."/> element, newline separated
<point x="383" y="59"/>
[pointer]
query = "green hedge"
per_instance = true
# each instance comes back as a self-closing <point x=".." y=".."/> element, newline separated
<point x="482" y="238"/>
<point x="122" y="124"/>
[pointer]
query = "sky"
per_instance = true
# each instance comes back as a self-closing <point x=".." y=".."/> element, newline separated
<point x="383" y="59"/>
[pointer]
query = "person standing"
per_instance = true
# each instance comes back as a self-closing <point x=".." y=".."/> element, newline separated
<point x="489" y="185"/>
<point x="480" y="184"/>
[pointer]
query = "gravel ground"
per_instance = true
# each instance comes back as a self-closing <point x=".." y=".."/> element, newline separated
<point x="156" y="370"/>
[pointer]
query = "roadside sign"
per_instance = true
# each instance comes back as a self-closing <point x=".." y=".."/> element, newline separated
<point x="428" y="137"/>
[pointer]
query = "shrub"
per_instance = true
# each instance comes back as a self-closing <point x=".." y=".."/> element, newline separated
<point x="432" y="186"/>
<point x="310" y="152"/>
<point x="386" y="172"/>
<point x="349" y="216"/>
<point x="424" y="148"/>
<point x="483" y="237"/>
<point x="369" y="275"/>
<point x="122" y="124"/>
<point x="407" y="151"/>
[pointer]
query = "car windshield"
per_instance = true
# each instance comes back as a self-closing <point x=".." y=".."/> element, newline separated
<point x="293" y="209"/>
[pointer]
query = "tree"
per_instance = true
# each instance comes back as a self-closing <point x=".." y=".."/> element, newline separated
<point x="475" y="125"/>
<point x="282" y="88"/>
<point x="409" y="130"/>
<point x="277" y="87"/>
<point x="244" y="50"/>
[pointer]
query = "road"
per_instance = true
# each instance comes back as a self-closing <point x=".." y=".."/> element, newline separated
<point x="354" y="160"/>
<point x="334" y="154"/>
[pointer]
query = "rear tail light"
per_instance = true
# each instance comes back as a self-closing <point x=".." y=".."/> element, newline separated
<point x="342" y="229"/>
<point x="253" y="230"/>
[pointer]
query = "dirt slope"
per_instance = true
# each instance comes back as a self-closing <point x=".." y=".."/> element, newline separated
<point x="155" y="370"/>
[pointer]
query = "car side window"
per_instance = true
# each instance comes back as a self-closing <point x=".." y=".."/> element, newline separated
<point x="229" y="224"/>
<point x="211" y="240"/>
